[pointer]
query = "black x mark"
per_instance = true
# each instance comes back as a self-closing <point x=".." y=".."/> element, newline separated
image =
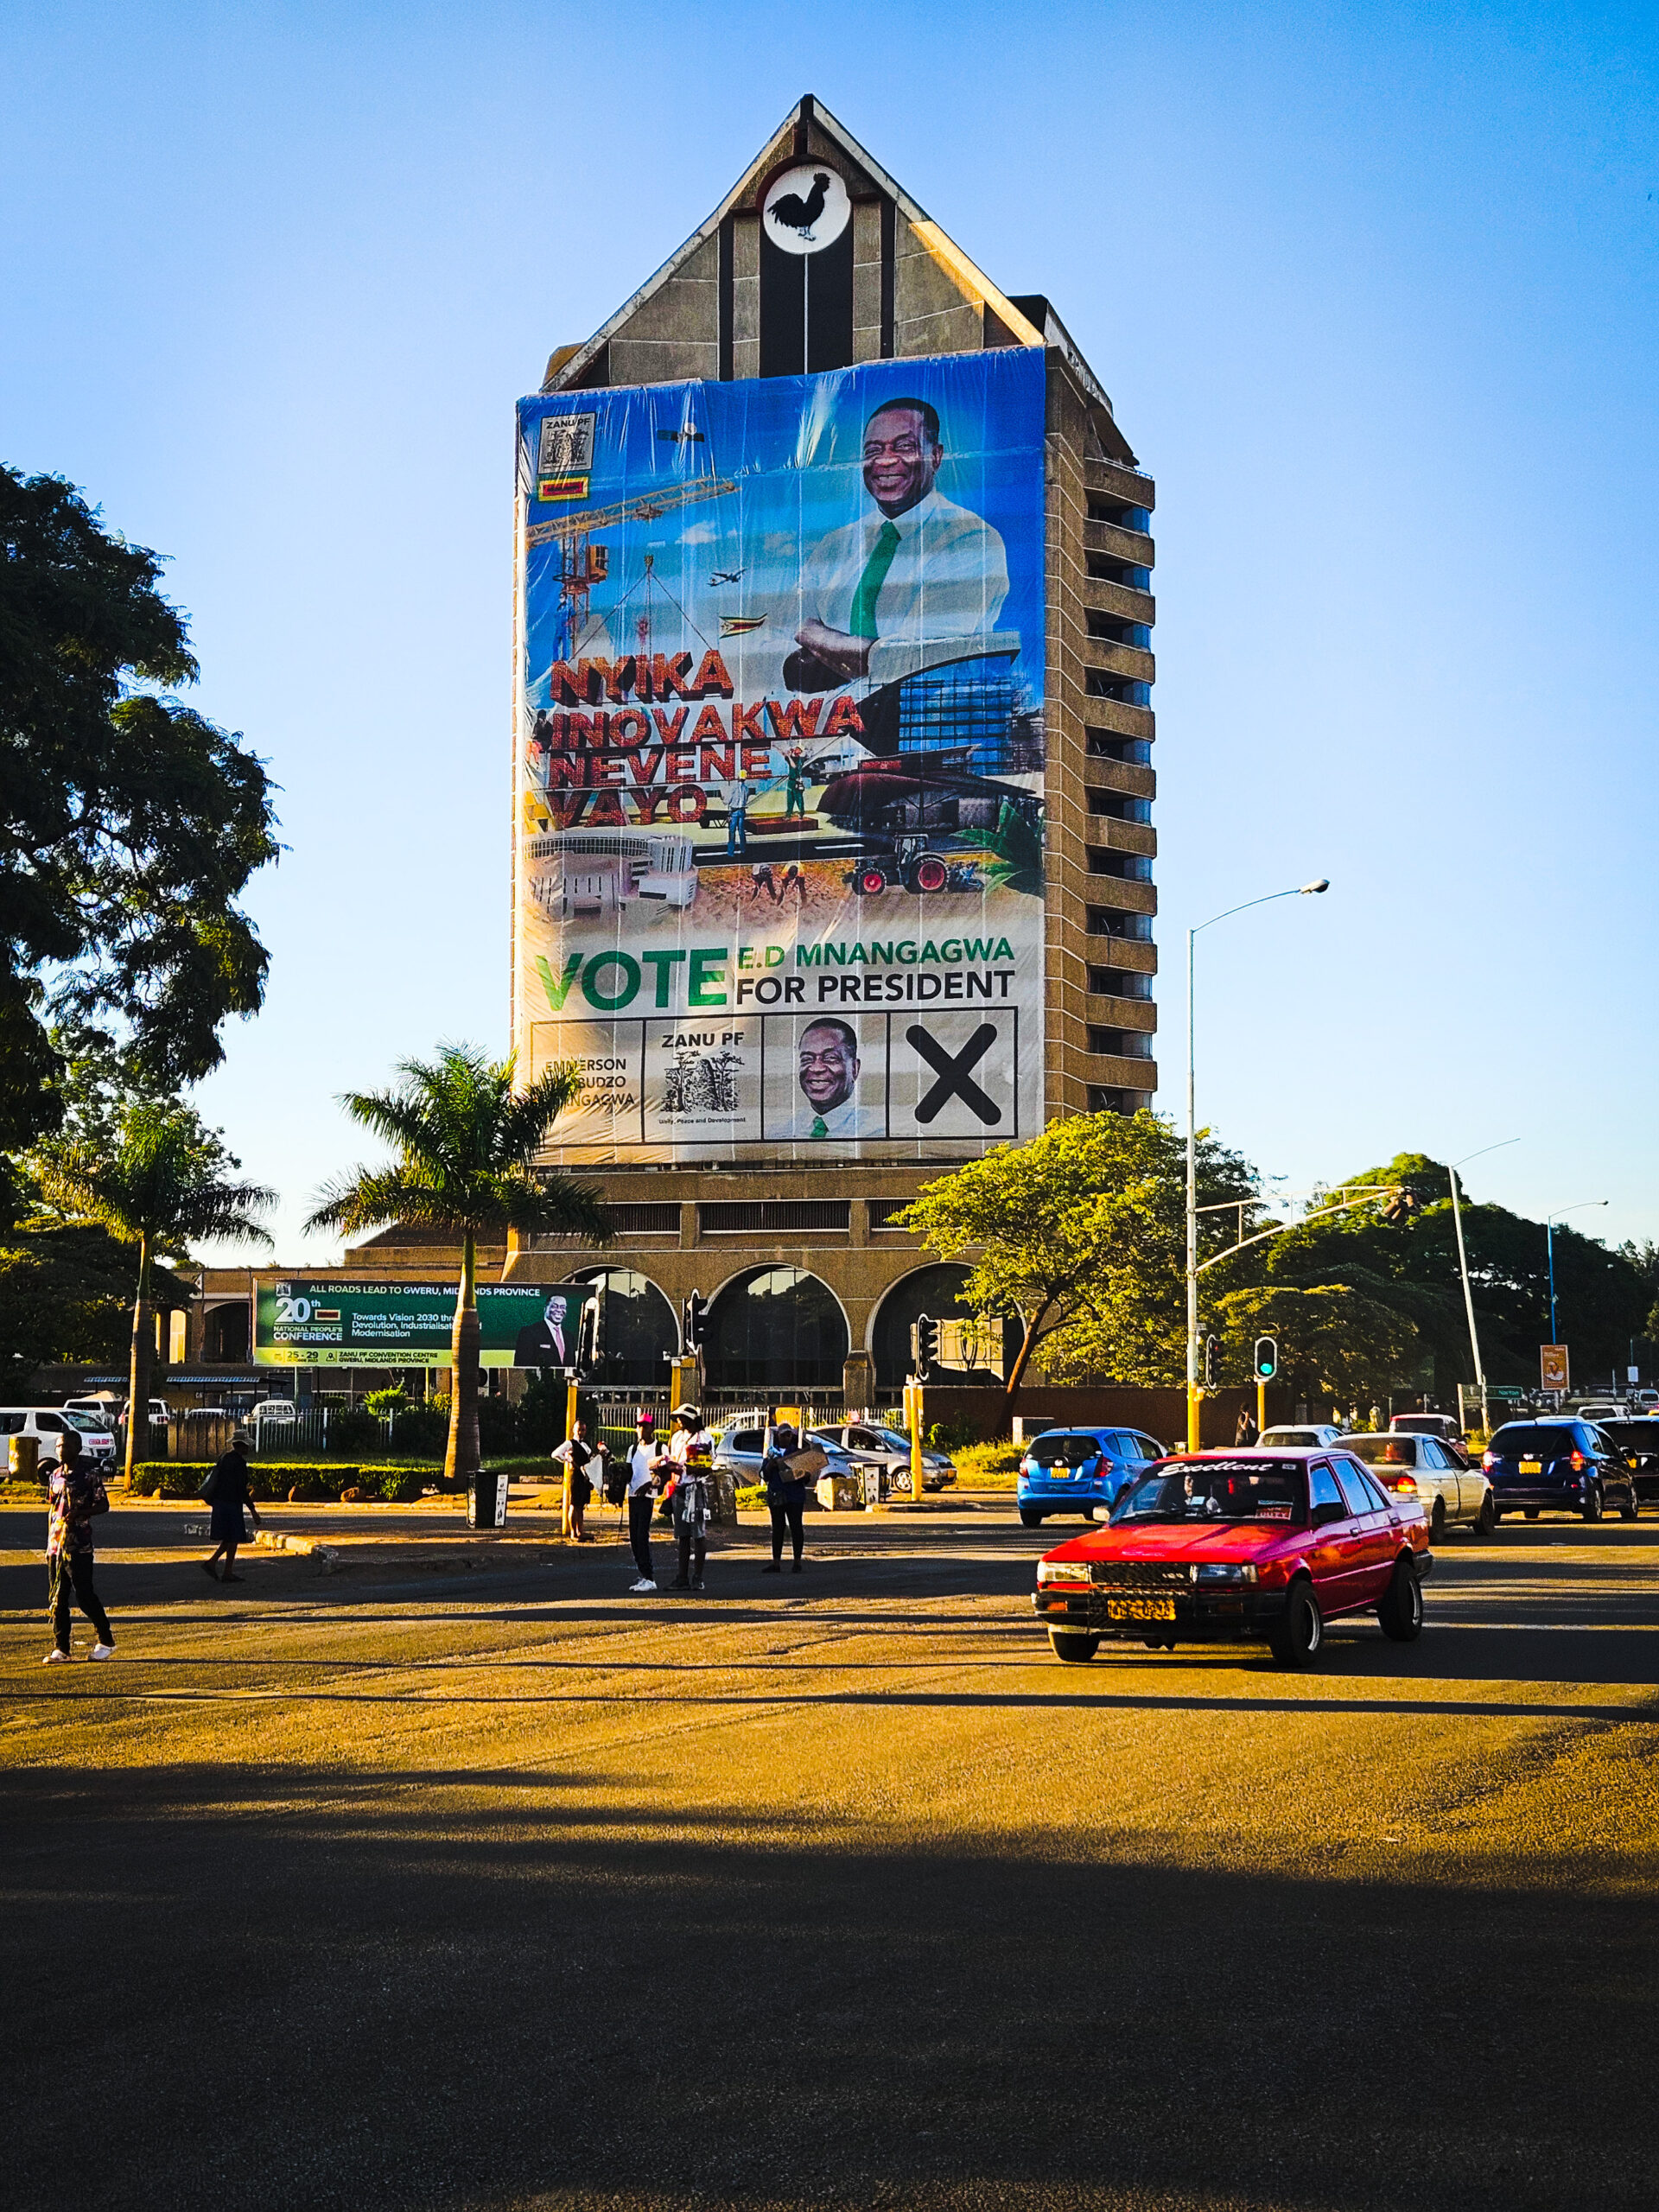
<point x="954" y="1078"/>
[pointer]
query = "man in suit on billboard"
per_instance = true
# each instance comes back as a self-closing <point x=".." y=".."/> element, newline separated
<point x="545" y="1344"/>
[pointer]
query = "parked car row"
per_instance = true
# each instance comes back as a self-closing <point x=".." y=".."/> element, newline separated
<point x="849" y="1448"/>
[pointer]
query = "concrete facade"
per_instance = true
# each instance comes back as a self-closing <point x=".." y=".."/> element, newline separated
<point x="915" y="293"/>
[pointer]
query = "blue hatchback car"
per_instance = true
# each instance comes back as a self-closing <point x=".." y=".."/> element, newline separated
<point x="1080" y="1469"/>
<point x="1558" y="1466"/>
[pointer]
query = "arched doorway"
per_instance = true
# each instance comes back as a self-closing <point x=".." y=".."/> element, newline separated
<point x="777" y="1328"/>
<point x="641" y="1335"/>
<point x="931" y="1291"/>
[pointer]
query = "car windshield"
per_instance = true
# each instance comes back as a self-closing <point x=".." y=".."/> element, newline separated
<point x="1305" y="1440"/>
<point x="1520" y="1440"/>
<point x="88" y="1424"/>
<point x="1215" y="1490"/>
<point x="1419" y="1424"/>
<point x="888" y="1439"/>
<point x="1073" y="1451"/>
<point x="1383" y="1451"/>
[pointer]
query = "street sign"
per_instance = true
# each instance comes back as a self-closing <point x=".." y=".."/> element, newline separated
<point x="1553" y="1367"/>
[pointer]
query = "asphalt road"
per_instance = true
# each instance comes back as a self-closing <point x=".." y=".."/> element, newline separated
<point x="416" y="1884"/>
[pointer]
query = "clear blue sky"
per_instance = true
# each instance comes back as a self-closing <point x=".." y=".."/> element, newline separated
<point x="1372" y="288"/>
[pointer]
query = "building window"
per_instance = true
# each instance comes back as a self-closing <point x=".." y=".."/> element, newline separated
<point x="882" y="1211"/>
<point x="1129" y="867"/>
<point x="1127" y="692"/>
<point x="733" y="1217"/>
<point x="1115" y="631"/>
<point x="1104" y="509"/>
<point x="224" y="1333"/>
<point x="654" y="1220"/>
<point x="640" y="1333"/>
<point x="778" y="1328"/>
<point x="1106" y="745"/>
<point x="1108" y="921"/>
<point x="1115" y="807"/>
<point x="1120" y="983"/>
<point x="1103" y="1098"/>
<point x="1106" y="570"/>
<point x="1120" y="1044"/>
<point x="933" y="1291"/>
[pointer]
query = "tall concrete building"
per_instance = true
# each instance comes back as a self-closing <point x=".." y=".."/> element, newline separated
<point x="899" y="749"/>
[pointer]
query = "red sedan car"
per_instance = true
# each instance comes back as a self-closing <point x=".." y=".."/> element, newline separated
<point x="1243" y="1546"/>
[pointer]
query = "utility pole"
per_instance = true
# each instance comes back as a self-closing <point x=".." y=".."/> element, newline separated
<point x="1194" y="1390"/>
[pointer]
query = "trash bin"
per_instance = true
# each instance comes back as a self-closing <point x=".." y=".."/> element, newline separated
<point x="486" y="1502"/>
<point x="23" y="1460"/>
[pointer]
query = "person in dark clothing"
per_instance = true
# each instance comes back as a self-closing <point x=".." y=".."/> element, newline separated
<point x="227" y="1490"/>
<point x="1247" y="1432"/>
<point x="77" y="1494"/>
<point x="785" y="1498"/>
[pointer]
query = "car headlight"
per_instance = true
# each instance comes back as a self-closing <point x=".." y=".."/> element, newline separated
<point x="1213" y="1572"/>
<point x="1062" y="1570"/>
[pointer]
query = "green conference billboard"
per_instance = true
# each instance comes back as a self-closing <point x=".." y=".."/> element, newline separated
<point x="322" y="1321"/>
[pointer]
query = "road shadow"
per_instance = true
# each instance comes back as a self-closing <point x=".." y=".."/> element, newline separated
<point x="295" y="1988"/>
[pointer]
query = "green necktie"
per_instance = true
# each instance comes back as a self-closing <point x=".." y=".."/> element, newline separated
<point x="861" y="624"/>
<point x="820" y="1127"/>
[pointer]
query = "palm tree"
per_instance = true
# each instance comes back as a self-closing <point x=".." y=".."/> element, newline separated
<point x="160" y="1185"/>
<point x="467" y="1143"/>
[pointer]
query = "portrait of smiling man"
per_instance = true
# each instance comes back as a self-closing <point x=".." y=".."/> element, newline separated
<point x="916" y="567"/>
<point x="828" y="1069"/>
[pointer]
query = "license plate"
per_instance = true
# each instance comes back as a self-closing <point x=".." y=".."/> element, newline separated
<point x="1532" y="1467"/>
<point x="1140" y="1609"/>
<point x="1061" y="1474"/>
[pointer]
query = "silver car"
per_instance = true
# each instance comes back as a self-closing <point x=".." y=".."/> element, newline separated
<point x="742" y="1448"/>
<point x="869" y="1440"/>
<point x="1424" y="1468"/>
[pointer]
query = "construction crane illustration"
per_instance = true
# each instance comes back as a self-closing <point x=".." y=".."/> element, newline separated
<point x="582" y="565"/>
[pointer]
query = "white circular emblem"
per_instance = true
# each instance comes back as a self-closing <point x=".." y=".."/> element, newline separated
<point x="806" y="209"/>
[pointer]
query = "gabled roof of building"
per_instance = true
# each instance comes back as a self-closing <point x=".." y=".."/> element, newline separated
<point x="1028" y="321"/>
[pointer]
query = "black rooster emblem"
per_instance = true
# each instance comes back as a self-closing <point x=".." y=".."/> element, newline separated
<point x="794" y="213"/>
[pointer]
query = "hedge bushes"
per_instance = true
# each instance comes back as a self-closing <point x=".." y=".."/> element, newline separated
<point x="183" y="1478"/>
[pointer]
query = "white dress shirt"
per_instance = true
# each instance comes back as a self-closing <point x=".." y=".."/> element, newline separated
<point x="948" y="579"/>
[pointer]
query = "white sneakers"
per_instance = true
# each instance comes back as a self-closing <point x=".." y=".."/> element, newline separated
<point x="52" y="1658"/>
<point x="635" y="1588"/>
<point x="98" y="1651"/>
<point x="103" y="1651"/>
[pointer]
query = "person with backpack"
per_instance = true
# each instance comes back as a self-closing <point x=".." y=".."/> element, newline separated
<point x="227" y="1490"/>
<point x="690" y="1456"/>
<point x="76" y="1496"/>
<point x="785" y="1495"/>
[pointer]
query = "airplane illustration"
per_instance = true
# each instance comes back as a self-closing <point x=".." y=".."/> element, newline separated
<point x="725" y="576"/>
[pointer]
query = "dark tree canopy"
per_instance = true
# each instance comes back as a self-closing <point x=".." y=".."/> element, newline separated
<point x="129" y="825"/>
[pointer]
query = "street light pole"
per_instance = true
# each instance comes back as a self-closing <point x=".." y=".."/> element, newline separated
<point x="1550" y="1220"/>
<point x="1463" y="1269"/>
<point x="1194" y="1397"/>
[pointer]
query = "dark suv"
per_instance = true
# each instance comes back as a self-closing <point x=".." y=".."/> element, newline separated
<point x="1558" y="1466"/>
<point x="1638" y="1438"/>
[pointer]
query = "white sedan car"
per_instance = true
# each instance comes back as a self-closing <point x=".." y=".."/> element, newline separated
<point x="1423" y="1467"/>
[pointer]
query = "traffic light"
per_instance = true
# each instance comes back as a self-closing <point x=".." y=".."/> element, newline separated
<point x="587" y="1334"/>
<point x="923" y="1346"/>
<point x="693" y="1314"/>
<point x="1267" y="1359"/>
<point x="1400" y="1208"/>
<point x="1211" y="1353"/>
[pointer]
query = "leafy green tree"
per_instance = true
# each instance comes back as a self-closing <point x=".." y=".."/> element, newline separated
<point x="132" y="823"/>
<point x="65" y="1295"/>
<point x="166" y="1180"/>
<point x="1602" y="1296"/>
<point x="1082" y="1234"/>
<point x="466" y="1145"/>
<point x="1332" y="1342"/>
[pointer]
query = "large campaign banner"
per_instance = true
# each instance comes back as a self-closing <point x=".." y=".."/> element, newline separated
<point x="325" y="1321"/>
<point x="778" y="878"/>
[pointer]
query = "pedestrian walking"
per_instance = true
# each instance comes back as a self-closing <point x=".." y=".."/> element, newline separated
<point x="74" y="1499"/>
<point x="785" y="1495"/>
<point x="1247" y="1432"/>
<point x="691" y="1450"/>
<point x="642" y="1496"/>
<point x="576" y="1456"/>
<point x="227" y="1490"/>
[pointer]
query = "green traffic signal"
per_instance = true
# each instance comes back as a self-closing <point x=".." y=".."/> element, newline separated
<point x="1267" y="1359"/>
